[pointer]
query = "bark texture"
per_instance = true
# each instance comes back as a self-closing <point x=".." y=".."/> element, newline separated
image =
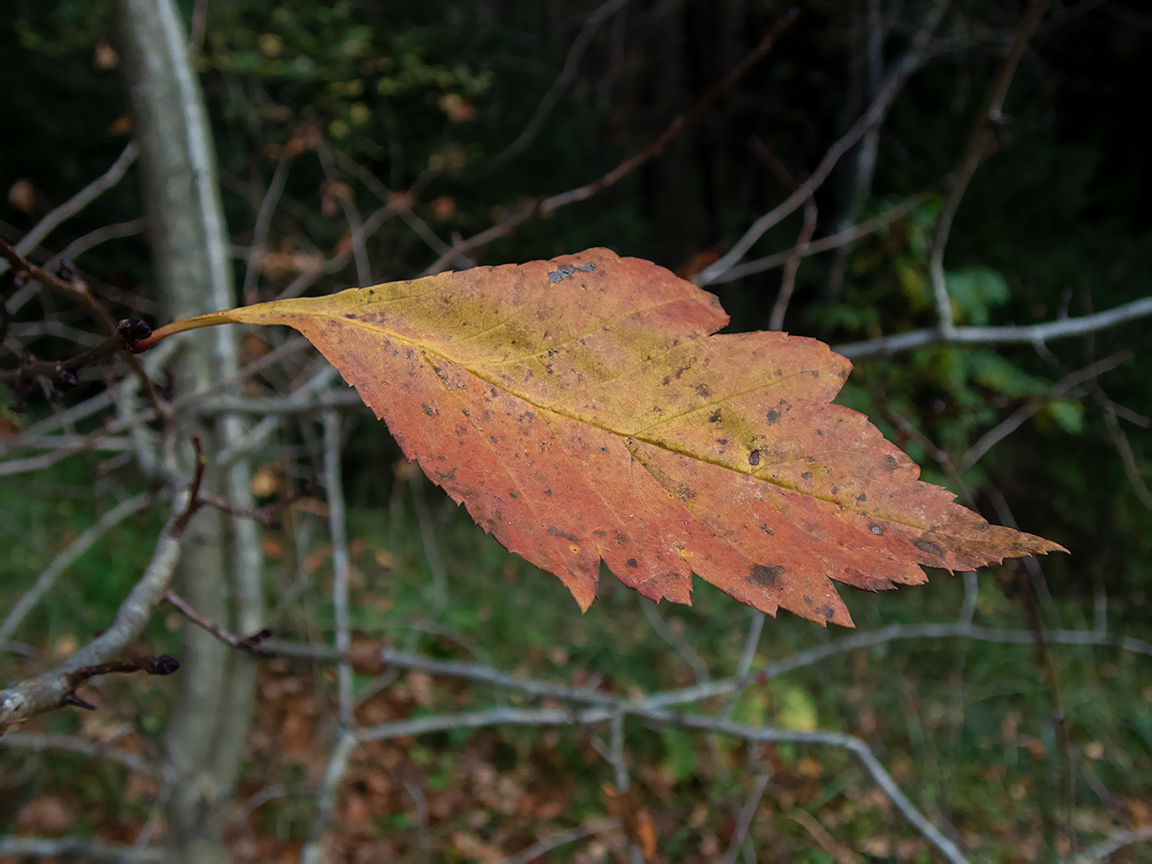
<point x="219" y="574"/>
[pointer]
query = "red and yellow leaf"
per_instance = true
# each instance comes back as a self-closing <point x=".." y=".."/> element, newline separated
<point x="585" y="409"/>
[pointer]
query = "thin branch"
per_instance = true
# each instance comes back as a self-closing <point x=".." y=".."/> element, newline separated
<point x="92" y="239"/>
<point x="557" y="717"/>
<point x="1116" y="842"/>
<point x="1018" y="417"/>
<point x="744" y="821"/>
<point x="826" y="244"/>
<point x="72" y="744"/>
<point x="980" y="139"/>
<point x="338" y="532"/>
<point x="788" y="281"/>
<point x="44" y="582"/>
<point x="253" y="644"/>
<point x="547" y="206"/>
<point x="351" y="215"/>
<point x="260" y="229"/>
<point x="563" y="838"/>
<point x="46" y="692"/>
<point x="82" y="848"/>
<point x="563" y="81"/>
<point x="76" y="203"/>
<point x="1030" y="334"/>
<point x="875" y="113"/>
<point x="326" y="797"/>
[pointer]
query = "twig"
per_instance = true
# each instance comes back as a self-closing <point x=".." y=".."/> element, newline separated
<point x="554" y="717"/>
<point x="1117" y="841"/>
<point x="979" y="140"/>
<point x="94" y="238"/>
<point x="547" y="206"/>
<point x="676" y="641"/>
<point x="326" y="797"/>
<point x="46" y="692"/>
<point x="72" y="744"/>
<point x="1015" y="420"/>
<point x="874" y="114"/>
<point x="78" y="291"/>
<point x="76" y="203"/>
<point x="1031" y="334"/>
<point x="260" y="229"/>
<point x="351" y="215"/>
<point x="253" y="644"/>
<point x="567" y="74"/>
<point x="45" y="581"/>
<point x="1127" y="458"/>
<point x="788" y="281"/>
<point x="563" y="838"/>
<point x="338" y="531"/>
<point x="744" y="821"/>
<point x="82" y="848"/>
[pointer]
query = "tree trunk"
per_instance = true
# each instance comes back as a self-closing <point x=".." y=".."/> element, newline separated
<point x="220" y="570"/>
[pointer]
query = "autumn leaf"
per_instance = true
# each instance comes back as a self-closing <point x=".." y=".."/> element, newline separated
<point x="585" y="409"/>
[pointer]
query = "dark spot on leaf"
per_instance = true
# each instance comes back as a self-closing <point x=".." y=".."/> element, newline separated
<point x="561" y="274"/>
<point x="715" y="417"/>
<point x="349" y="316"/>
<point x="767" y="530"/>
<point x="685" y="493"/>
<point x="631" y="562"/>
<point x="547" y="493"/>
<point x="807" y="475"/>
<point x="890" y="463"/>
<point x="587" y="268"/>
<point x="621" y="537"/>
<point x="773" y="416"/>
<point x="722" y="441"/>
<point x="754" y="457"/>
<point x="553" y="531"/>
<point x="702" y="390"/>
<point x="807" y="601"/>
<point x="927" y="546"/>
<point x="429" y="411"/>
<point x="512" y="494"/>
<point x="861" y="498"/>
<point x="820" y="432"/>
<point x="765" y="575"/>
<point x="827" y="611"/>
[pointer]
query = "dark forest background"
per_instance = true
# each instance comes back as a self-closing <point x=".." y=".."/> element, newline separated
<point x="467" y="110"/>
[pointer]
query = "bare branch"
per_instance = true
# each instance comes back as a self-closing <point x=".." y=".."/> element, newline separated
<point x="826" y="244"/>
<point x="83" y="848"/>
<point x="72" y="744"/>
<point x="64" y="560"/>
<point x="1030" y="334"/>
<point x="547" y="206"/>
<point x="253" y="644"/>
<point x="338" y="531"/>
<point x="563" y="838"/>
<point x="76" y="203"/>
<point x="46" y="692"/>
<point x="875" y="113"/>
<point x="563" y="81"/>
<point x="979" y="140"/>
<point x="1116" y="842"/>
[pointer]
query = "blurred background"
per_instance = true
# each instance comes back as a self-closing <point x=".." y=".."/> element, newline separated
<point x="364" y="142"/>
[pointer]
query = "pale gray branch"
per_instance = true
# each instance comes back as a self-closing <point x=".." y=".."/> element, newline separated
<point x="72" y="744"/>
<point x="64" y="560"/>
<point x="875" y="113"/>
<point x="1028" y="334"/>
<point x="83" y="848"/>
<point x="45" y="692"/>
<point x="76" y="203"/>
